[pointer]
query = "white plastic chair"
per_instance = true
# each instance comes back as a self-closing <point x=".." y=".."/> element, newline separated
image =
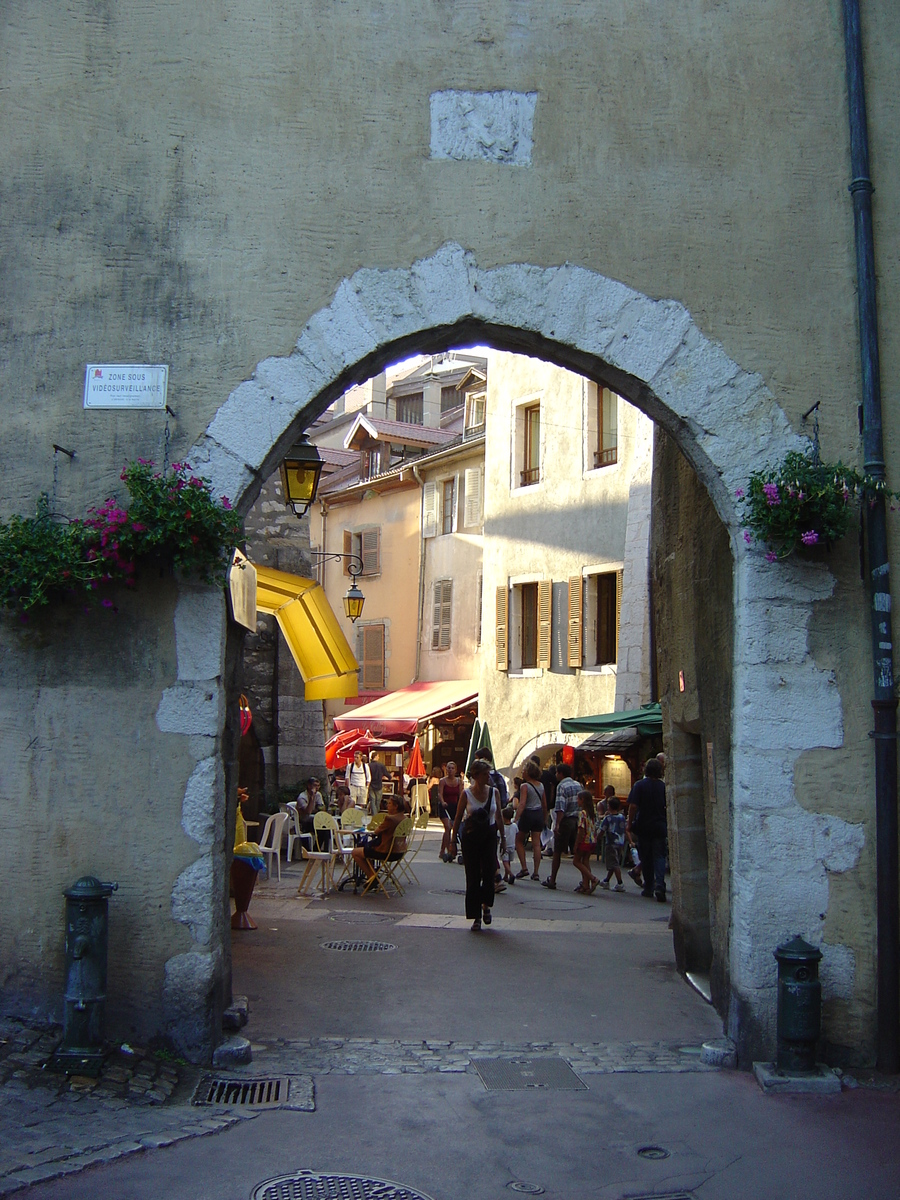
<point x="270" y="842"/>
<point x="327" y="843"/>
<point x="294" y="832"/>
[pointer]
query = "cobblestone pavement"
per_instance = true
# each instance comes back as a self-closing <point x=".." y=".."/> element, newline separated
<point x="386" y="1056"/>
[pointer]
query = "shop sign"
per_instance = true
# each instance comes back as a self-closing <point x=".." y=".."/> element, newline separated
<point x="125" y="385"/>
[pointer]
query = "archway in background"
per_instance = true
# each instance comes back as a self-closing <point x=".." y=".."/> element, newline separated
<point x="724" y="421"/>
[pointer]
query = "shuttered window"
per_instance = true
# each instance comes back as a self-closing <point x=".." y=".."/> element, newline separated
<point x="502" y="630"/>
<point x="575" y="620"/>
<point x="371" y="657"/>
<point x="431" y="503"/>
<point x="529" y="637"/>
<point x="472" y="504"/>
<point x="365" y="547"/>
<point x="442" y="608"/>
<point x="545" y="623"/>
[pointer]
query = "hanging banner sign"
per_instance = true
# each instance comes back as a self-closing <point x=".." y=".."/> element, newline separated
<point x="116" y="385"/>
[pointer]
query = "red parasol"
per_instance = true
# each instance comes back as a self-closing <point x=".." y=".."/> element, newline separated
<point x="335" y="744"/>
<point x="416" y="766"/>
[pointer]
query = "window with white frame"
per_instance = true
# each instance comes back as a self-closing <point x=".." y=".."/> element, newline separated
<point x="442" y="611"/>
<point x="602" y="426"/>
<point x="439" y="507"/>
<point x="527" y="451"/>
<point x="476" y="407"/>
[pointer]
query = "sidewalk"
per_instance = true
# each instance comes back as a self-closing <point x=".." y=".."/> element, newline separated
<point x="404" y="1050"/>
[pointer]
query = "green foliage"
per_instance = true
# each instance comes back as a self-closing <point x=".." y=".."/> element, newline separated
<point x="804" y="503"/>
<point x="172" y="516"/>
<point x="41" y="560"/>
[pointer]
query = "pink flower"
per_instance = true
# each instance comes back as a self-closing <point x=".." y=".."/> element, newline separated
<point x="146" y="462"/>
<point x="138" y="527"/>
<point x="771" y="556"/>
<point x="106" y="602"/>
<point x="771" y="494"/>
<point x="809" y="538"/>
<point x="739" y="493"/>
<point x="747" y="536"/>
<point x="226" y="503"/>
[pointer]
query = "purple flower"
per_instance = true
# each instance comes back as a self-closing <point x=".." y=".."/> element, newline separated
<point x="146" y="462"/>
<point x="747" y="536"/>
<point x="771" y="556"/>
<point x="771" y="494"/>
<point x="738" y="493"/>
<point x="226" y="503"/>
<point x="106" y="602"/>
<point x="809" y="538"/>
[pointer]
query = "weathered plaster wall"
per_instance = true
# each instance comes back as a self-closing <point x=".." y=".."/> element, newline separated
<point x="691" y="587"/>
<point x="93" y="783"/>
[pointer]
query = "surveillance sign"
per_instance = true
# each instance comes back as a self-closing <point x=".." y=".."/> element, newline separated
<point x="114" y="385"/>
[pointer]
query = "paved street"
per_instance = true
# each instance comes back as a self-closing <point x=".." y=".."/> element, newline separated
<point x="399" y="1045"/>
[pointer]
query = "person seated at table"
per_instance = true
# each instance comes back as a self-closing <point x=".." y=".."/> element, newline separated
<point x="379" y="845"/>
<point x="309" y="802"/>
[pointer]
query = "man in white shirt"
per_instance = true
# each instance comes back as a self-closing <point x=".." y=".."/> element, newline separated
<point x="358" y="778"/>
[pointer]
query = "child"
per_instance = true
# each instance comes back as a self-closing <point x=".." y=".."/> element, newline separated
<point x="512" y="832"/>
<point x="585" y="844"/>
<point x="613" y="827"/>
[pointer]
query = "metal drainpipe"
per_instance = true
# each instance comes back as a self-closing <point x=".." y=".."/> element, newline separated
<point x="884" y="702"/>
<point x="421" y="482"/>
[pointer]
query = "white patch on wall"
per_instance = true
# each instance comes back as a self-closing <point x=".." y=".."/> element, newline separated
<point x="494" y="127"/>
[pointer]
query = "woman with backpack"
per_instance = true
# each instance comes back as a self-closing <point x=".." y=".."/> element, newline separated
<point x="479" y="813"/>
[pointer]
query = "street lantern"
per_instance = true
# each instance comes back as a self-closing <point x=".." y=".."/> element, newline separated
<point x="300" y="471"/>
<point x="353" y="603"/>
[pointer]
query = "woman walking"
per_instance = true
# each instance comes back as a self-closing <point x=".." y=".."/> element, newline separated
<point x="479" y="804"/>
<point x="449" y="790"/>
<point x="531" y="818"/>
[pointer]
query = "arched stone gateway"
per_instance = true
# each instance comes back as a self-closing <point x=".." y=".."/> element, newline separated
<point x="726" y="423"/>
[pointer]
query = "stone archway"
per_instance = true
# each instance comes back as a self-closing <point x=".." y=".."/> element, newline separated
<point x="726" y="423"/>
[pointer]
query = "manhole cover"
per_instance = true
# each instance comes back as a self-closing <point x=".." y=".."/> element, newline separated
<point x="527" y="1189"/>
<point x="518" y="1074"/>
<point x="652" y="1152"/>
<point x="304" y="1185"/>
<point x="363" y="947"/>
<point x="242" y="1093"/>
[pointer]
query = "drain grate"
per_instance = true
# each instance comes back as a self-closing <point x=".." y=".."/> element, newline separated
<point x="304" y="1185"/>
<point x="362" y="947"/>
<point x="242" y="1093"/>
<point x="519" y="1074"/>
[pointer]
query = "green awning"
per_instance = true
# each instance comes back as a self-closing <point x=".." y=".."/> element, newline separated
<point x="647" y="720"/>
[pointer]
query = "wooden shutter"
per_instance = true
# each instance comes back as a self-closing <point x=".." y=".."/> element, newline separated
<point x="472" y="504"/>
<point x="372" y="657"/>
<point x="441" y="614"/>
<point x="370" y="551"/>
<point x="502" y="631"/>
<point x="575" y="620"/>
<point x="619" y="579"/>
<point x="431" y="500"/>
<point x="545" y="623"/>
<point x="348" y="549"/>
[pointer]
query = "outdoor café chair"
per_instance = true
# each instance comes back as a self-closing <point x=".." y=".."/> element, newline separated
<point x="404" y="865"/>
<point x="294" y="832"/>
<point x="329" y="836"/>
<point x="384" y="868"/>
<point x="324" y="855"/>
<point x="270" y="842"/>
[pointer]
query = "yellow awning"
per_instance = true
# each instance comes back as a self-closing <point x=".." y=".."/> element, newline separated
<point x="311" y="630"/>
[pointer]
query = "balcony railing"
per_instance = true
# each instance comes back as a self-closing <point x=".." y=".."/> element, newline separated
<point x="605" y="458"/>
<point x="530" y="475"/>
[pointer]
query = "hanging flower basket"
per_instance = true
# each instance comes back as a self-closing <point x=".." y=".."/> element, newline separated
<point x="804" y="503"/>
<point x="172" y="517"/>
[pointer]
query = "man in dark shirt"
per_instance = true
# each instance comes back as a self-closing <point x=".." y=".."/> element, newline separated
<point x="647" y="821"/>
<point x="378" y="773"/>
